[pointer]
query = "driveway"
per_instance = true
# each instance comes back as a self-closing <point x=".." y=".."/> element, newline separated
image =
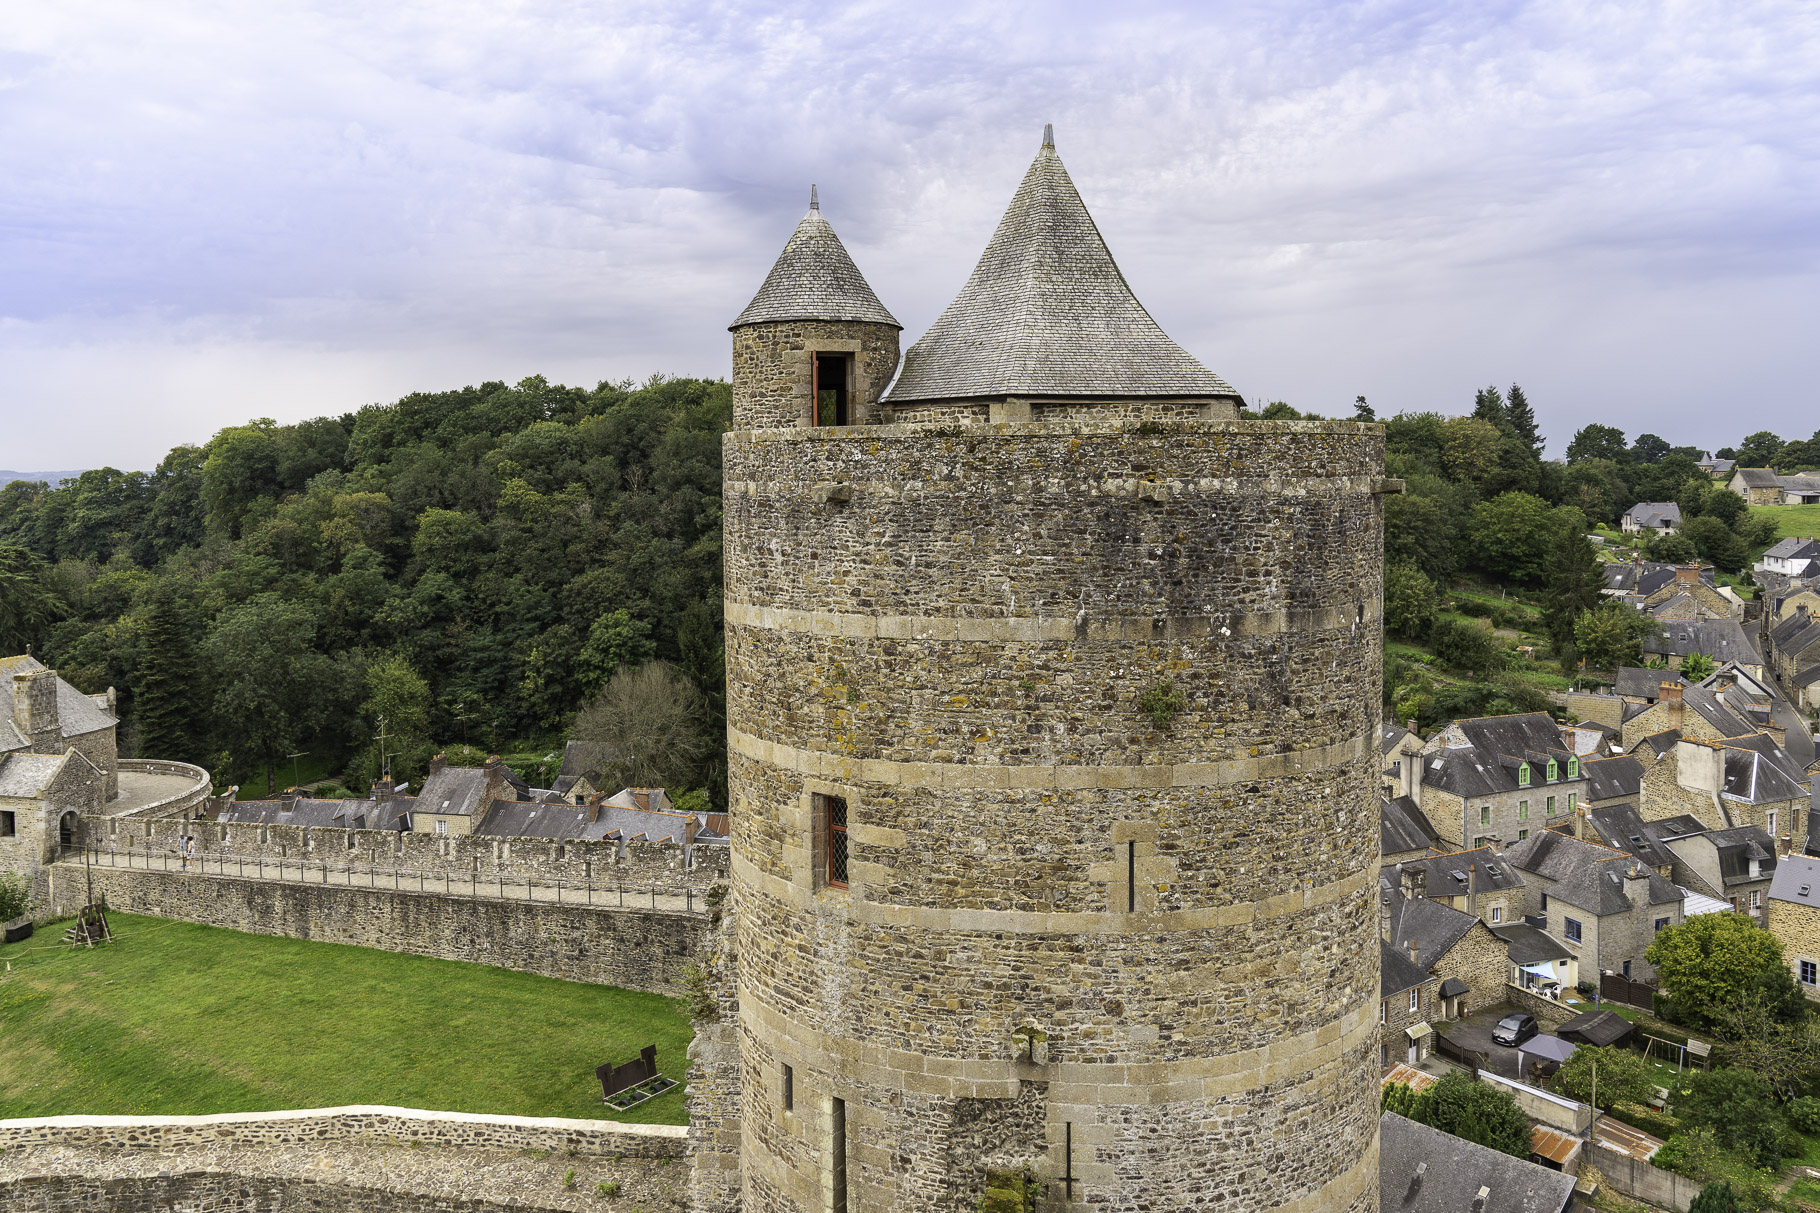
<point x="1474" y="1032"/>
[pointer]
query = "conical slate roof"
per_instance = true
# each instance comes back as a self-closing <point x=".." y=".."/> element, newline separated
<point x="814" y="279"/>
<point x="1047" y="313"/>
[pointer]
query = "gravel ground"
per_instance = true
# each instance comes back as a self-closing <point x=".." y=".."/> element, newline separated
<point x="647" y="1185"/>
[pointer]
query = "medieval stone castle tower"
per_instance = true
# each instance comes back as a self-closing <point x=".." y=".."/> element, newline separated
<point x="1053" y="706"/>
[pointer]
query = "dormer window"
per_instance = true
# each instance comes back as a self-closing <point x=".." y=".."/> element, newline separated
<point x="1523" y="775"/>
<point x="1554" y="772"/>
<point x="1573" y="767"/>
<point x="829" y="387"/>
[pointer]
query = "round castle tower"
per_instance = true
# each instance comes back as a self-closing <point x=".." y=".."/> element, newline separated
<point x="1052" y="697"/>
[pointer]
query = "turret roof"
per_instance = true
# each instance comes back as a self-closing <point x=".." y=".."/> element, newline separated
<point x="1047" y="313"/>
<point x="814" y="279"/>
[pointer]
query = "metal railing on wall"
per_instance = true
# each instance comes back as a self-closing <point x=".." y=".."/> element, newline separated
<point x="500" y="885"/>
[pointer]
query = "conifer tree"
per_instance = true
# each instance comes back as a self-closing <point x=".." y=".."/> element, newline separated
<point x="1575" y="581"/>
<point x="1523" y="419"/>
<point x="1489" y="404"/>
<point x="166" y="691"/>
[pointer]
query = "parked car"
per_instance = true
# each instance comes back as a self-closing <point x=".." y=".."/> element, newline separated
<point x="1514" y="1029"/>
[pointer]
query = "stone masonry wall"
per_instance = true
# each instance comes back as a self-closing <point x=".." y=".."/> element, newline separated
<point x="219" y="1192"/>
<point x="635" y="949"/>
<point x="1797" y="929"/>
<point x="1482" y="961"/>
<point x="771" y="369"/>
<point x="956" y="642"/>
<point x="643" y="864"/>
<point x="318" y="1127"/>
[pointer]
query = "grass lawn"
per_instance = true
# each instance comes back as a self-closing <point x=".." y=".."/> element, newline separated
<point x="180" y="1019"/>
<point x="1792" y="521"/>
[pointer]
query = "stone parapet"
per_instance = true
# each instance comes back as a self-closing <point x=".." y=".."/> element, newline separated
<point x="377" y="1124"/>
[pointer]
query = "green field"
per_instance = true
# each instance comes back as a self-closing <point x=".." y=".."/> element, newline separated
<point x="179" y="1019"/>
<point x="1792" y="521"/>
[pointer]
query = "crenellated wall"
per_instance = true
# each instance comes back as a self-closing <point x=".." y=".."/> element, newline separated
<point x="637" y="863"/>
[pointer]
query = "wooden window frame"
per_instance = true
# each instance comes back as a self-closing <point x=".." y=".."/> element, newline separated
<point x="833" y="851"/>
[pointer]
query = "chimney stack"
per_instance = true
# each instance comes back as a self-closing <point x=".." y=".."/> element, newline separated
<point x="1415" y="955"/>
<point x="383" y="790"/>
<point x="1671" y="695"/>
<point x="438" y="763"/>
<point x="496" y="781"/>
<point x="1687" y="574"/>
<point x="35" y="710"/>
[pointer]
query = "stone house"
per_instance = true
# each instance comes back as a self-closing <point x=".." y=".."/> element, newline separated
<point x="1477" y="882"/>
<point x="1597" y="708"/>
<point x="1642" y="687"/>
<point x="1794" y="918"/>
<point x="1733" y="782"/>
<point x="1764" y="486"/>
<point x="1722" y="639"/>
<point x="1407" y="997"/>
<point x="1656" y="517"/>
<point x="1496" y="779"/>
<point x="1689" y="596"/>
<point x="1735" y="866"/>
<point x="1793" y="645"/>
<point x="1636" y="581"/>
<point x="1602" y="903"/>
<point x="57" y="761"/>
<point x="1454" y="946"/>
<point x="1687" y="711"/>
<point x="455" y="800"/>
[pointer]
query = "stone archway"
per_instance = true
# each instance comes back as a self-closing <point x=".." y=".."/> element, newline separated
<point x="66" y="829"/>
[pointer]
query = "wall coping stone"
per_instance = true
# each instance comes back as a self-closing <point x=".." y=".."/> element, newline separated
<point x="378" y="1122"/>
<point x="923" y="432"/>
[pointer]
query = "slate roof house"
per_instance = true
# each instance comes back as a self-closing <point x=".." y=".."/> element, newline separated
<point x="1662" y="517"/>
<point x="1406" y="997"/>
<point x="1721" y="639"/>
<point x="1403" y="832"/>
<point x="1425" y="1170"/>
<point x="1497" y="779"/>
<point x="1790" y="558"/>
<point x="1471" y="962"/>
<point x="1622" y="828"/>
<point x="1538" y="961"/>
<point x="1730" y="782"/>
<point x="1764" y="486"/>
<point x="1735" y="866"/>
<point x="1604" y="904"/>
<point x="1611" y="780"/>
<point x="1794" y="918"/>
<point x="1685" y="711"/>
<point x="1478" y="882"/>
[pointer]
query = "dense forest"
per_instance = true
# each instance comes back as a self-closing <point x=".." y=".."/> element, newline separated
<point x="469" y="568"/>
<point x="471" y="565"/>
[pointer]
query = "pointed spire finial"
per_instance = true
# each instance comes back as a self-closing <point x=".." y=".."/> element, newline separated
<point x="1049" y="134"/>
<point x="815" y="203"/>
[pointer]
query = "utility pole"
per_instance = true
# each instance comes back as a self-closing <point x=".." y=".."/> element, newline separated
<point x="294" y="758"/>
<point x="385" y="761"/>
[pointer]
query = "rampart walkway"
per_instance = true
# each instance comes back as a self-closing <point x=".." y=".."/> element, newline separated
<point x="497" y="886"/>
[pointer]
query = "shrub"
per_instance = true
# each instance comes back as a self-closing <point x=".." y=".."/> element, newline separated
<point x="1804" y="1114"/>
<point x="1618" y="1076"/>
<point x="1162" y="702"/>
<point x="16" y="899"/>
<point x="607" y="1187"/>
<point x="1718" y="1197"/>
<point x="1638" y="1116"/>
<point x="1698" y="1154"/>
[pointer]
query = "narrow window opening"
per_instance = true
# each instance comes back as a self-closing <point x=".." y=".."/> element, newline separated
<point x="830" y="388"/>
<point x="1131" y="878"/>
<point x="789" y="1089"/>
<point x="832" y="812"/>
<point x="837" y="1156"/>
<point x="7" y="823"/>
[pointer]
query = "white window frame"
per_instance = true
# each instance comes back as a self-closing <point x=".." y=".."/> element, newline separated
<point x="1415" y="999"/>
<point x="442" y="825"/>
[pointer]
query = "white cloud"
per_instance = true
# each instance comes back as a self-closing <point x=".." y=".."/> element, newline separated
<point x="323" y="205"/>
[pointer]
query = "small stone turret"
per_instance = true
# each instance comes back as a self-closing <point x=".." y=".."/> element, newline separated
<point x="815" y="346"/>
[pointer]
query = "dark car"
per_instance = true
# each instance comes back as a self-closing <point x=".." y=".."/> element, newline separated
<point x="1514" y="1029"/>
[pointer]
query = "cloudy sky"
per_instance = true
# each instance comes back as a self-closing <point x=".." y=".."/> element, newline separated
<point x="212" y="211"/>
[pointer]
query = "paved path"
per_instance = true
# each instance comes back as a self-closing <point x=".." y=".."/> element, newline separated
<point x="290" y="871"/>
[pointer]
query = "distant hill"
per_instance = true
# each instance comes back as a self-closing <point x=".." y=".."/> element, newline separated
<point x="50" y="478"/>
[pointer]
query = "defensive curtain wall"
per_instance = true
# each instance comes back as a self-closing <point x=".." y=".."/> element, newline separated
<point x="581" y="911"/>
<point x="333" y="1159"/>
<point x="1135" y="954"/>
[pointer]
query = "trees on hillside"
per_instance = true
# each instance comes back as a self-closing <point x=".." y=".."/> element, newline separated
<point x="1575" y="581"/>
